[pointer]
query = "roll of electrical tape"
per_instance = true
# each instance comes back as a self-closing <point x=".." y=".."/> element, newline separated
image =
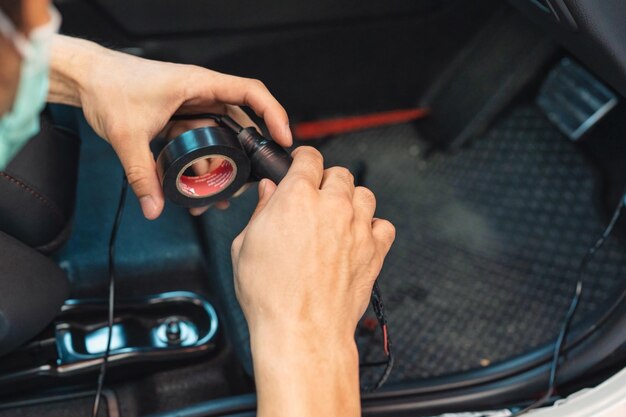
<point x="227" y="171"/>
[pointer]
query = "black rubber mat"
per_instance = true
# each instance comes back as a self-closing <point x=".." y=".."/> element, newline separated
<point x="79" y="407"/>
<point x="488" y="242"/>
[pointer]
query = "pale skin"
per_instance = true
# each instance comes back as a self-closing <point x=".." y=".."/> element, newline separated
<point x="305" y="264"/>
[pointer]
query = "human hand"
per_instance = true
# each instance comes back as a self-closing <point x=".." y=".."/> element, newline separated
<point x="304" y="270"/>
<point x="129" y="100"/>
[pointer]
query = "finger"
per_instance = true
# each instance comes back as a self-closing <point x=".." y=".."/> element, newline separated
<point x="253" y="93"/>
<point x="141" y="173"/>
<point x="198" y="211"/>
<point x="165" y="132"/>
<point x="235" y="248"/>
<point x="266" y="190"/>
<point x="240" y="116"/>
<point x="364" y="202"/>
<point x="203" y="166"/>
<point x="307" y="166"/>
<point x="242" y="190"/>
<point x="222" y="205"/>
<point x="384" y="234"/>
<point x="338" y="180"/>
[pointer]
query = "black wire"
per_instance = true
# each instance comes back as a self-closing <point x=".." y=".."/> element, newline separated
<point x="373" y="364"/>
<point x="558" y="346"/>
<point x="113" y="238"/>
<point x="379" y="310"/>
<point x="200" y="116"/>
<point x="221" y="119"/>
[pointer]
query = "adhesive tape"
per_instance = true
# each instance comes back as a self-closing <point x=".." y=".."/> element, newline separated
<point x="203" y="166"/>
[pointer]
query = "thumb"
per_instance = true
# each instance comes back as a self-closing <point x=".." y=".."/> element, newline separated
<point x="384" y="234"/>
<point x="141" y="173"/>
<point x="266" y="190"/>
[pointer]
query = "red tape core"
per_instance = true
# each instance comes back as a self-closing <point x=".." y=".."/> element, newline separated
<point x="210" y="183"/>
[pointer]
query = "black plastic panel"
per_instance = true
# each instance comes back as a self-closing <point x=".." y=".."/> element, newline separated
<point x="348" y="66"/>
<point x="152" y="17"/>
<point x="595" y="31"/>
<point x="542" y="4"/>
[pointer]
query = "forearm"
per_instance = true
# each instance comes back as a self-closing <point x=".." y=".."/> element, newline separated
<point x="305" y="375"/>
<point x="70" y="68"/>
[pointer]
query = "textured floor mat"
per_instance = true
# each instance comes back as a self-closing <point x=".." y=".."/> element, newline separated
<point x="488" y="242"/>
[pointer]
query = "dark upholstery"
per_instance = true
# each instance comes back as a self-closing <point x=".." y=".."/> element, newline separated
<point x="32" y="289"/>
<point x="38" y="189"/>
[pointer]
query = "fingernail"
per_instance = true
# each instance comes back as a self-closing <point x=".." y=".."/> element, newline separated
<point x="148" y="206"/>
<point x="262" y="186"/>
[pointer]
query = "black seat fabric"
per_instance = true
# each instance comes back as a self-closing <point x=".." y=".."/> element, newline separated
<point x="38" y="188"/>
<point x="32" y="289"/>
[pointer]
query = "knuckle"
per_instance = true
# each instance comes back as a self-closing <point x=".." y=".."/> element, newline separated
<point x="116" y="131"/>
<point x="258" y="84"/>
<point x="366" y="195"/>
<point x="199" y="71"/>
<point x="389" y="230"/>
<point x="305" y="171"/>
<point x="138" y="177"/>
<point x="196" y="75"/>
<point x="341" y="173"/>
<point x="308" y="152"/>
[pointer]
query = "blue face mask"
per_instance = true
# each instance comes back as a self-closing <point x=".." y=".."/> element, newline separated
<point x="22" y="121"/>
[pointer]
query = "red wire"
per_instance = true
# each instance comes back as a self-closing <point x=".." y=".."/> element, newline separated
<point x="385" y="340"/>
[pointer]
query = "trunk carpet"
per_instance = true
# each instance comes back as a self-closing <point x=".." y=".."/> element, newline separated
<point x="488" y="243"/>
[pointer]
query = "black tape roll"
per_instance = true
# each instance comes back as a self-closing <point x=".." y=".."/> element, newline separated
<point x="188" y="189"/>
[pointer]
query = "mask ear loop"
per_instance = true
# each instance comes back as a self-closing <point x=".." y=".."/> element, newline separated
<point x="22" y="43"/>
<point x="49" y="29"/>
<point x="9" y="31"/>
<point x="7" y="28"/>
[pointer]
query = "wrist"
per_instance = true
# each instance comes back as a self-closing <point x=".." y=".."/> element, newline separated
<point x="71" y="65"/>
<point x="270" y="340"/>
<point x="304" y="374"/>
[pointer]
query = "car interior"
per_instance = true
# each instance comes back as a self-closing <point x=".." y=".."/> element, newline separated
<point x="500" y="159"/>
